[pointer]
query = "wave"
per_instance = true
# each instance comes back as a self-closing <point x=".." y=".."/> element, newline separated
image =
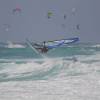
<point x="14" y="45"/>
<point x="10" y="44"/>
<point x="46" y="69"/>
<point x="97" y="45"/>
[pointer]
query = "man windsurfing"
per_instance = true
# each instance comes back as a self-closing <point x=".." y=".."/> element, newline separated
<point x="44" y="49"/>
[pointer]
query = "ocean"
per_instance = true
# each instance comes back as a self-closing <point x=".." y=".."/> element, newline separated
<point x="71" y="72"/>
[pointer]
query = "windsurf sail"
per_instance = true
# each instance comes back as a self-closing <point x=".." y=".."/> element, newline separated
<point x="38" y="47"/>
<point x="57" y="43"/>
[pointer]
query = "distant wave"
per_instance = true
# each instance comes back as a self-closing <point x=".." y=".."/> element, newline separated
<point x="15" y="45"/>
<point x="97" y="45"/>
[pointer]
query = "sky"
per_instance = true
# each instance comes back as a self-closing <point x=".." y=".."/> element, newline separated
<point x="32" y="22"/>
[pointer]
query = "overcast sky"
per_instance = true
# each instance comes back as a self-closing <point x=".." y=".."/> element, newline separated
<point x="32" y="22"/>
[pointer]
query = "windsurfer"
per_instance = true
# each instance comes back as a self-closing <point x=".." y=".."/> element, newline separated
<point x="45" y="48"/>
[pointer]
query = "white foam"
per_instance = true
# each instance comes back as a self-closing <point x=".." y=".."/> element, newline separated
<point x="67" y="67"/>
<point x="75" y="80"/>
<point x="75" y="88"/>
<point x="14" y="69"/>
<point x="97" y="45"/>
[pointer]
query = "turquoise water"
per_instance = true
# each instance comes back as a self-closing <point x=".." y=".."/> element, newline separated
<point x="63" y="74"/>
<point x="12" y="59"/>
<point x="77" y="49"/>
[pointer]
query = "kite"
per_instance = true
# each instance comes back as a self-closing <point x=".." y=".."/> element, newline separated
<point x="73" y="11"/>
<point x="6" y="27"/>
<point x="78" y="27"/>
<point x="49" y="14"/>
<point x="16" y="10"/>
<point x="65" y="16"/>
